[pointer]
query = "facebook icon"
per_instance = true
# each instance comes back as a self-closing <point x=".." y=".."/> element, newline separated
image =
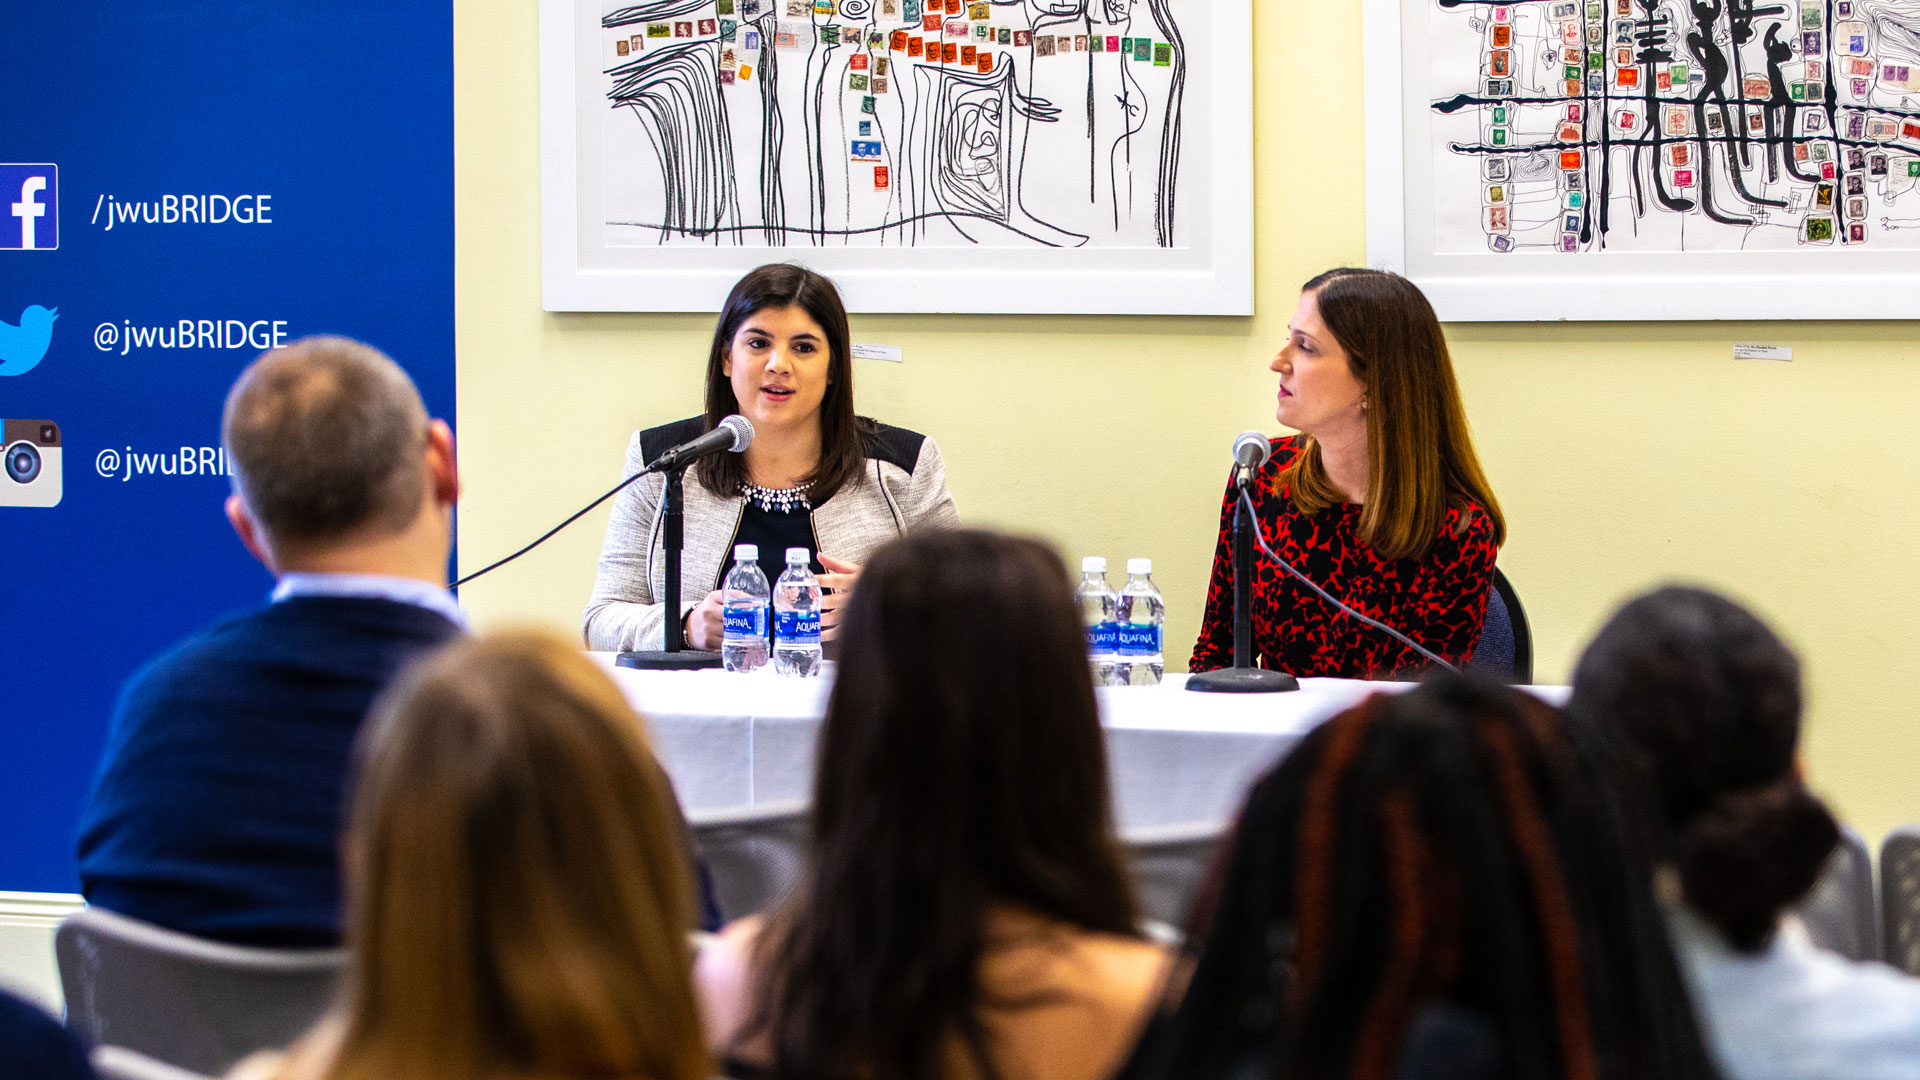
<point x="30" y="197"/>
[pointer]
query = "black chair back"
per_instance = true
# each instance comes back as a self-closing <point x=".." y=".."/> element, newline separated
<point x="1505" y="648"/>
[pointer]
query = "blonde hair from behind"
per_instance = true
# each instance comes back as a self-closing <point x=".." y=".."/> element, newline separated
<point x="519" y="898"/>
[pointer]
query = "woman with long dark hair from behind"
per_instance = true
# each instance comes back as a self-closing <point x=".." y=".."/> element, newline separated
<point x="1701" y="701"/>
<point x="518" y="894"/>
<point x="964" y="912"/>
<point x="1431" y="884"/>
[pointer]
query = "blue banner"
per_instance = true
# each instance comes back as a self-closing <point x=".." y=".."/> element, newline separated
<point x="182" y="185"/>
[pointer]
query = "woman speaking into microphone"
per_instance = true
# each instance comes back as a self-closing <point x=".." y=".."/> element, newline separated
<point x="816" y="476"/>
<point x="1379" y="499"/>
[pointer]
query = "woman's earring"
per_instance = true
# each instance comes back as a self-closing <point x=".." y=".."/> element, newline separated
<point x="1363" y="403"/>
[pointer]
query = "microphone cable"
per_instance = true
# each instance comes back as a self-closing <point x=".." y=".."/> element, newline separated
<point x="617" y="488"/>
<point x="736" y="426"/>
<point x="1253" y="527"/>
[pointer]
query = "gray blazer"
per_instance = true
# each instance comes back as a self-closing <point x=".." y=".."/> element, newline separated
<point x="904" y="486"/>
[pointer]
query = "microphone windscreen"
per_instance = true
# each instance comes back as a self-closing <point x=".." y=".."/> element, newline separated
<point x="742" y="430"/>
<point x="1250" y="450"/>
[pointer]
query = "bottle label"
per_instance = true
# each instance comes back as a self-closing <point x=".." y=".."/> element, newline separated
<point x="747" y="622"/>
<point x="1103" y="637"/>
<point x="1137" y="640"/>
<point x="797" y="627"/>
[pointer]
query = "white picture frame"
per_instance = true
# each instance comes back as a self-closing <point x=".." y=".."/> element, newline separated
<point x="1207" y="270"/>
<point x="1404" y="211"/>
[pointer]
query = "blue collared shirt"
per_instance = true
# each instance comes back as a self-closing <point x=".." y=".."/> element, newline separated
<point x="1793" y="1011"/>
<point x="373" y="586"/>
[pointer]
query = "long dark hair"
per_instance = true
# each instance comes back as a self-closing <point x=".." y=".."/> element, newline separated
<point x="1703" y="701"/>
<point x="844" y="437"/>
<point x="1446" y="850"/>
<point x="1420" y="458"/>
<point x="961" y="768"/>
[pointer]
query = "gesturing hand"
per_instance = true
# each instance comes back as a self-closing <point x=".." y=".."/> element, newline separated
<point x="838" y="582"/>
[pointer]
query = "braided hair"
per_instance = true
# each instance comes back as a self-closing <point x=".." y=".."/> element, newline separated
<point x="1447" y="851"/>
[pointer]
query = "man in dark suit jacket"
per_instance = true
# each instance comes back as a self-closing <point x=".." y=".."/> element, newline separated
<point x="33" y="1045"/>
<point x="218" y="804"/>
<point x="217" y="807"/>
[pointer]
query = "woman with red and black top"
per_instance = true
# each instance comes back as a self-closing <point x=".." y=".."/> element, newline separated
<point x="1379" y="498"/>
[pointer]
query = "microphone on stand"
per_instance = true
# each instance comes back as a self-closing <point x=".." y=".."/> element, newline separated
<point x="734" y="434"/>
<point x="1250" y="452"/>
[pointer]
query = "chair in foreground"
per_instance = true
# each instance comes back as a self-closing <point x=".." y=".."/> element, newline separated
<point x="188" y="1003"/>
<point x="1167" y="863"/>
<point x="755" y="853"/>
<point x="1900" y="897"/>
<point x="1841" y="913"/>
<point x="119" y="1063"/>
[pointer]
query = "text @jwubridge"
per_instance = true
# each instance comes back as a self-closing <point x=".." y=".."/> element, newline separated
<point x="257" y="334"/>
<point x="124" y="465"/>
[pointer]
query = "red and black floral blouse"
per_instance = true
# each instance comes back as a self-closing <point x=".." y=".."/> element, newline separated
<point x="1438" y="600"/>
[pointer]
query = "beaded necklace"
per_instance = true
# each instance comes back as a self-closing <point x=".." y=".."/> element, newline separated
<point x="783" y="500"/>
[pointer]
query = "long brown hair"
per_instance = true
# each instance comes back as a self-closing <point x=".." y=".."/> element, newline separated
<point x="519" y="896"/>
<point x="844" y="437"/>
<point x="961" y="768"/>
<point x="1420" y="458"/>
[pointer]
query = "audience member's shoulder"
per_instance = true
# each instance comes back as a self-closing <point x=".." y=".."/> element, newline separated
<point x="723" y="978"/>
<point x="33" y="1045"/>
<point x="1794" y="1010"/>
<point x="188" y="657"/>
<point x="1031" y="952"/>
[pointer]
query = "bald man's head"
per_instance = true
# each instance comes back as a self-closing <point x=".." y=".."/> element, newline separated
<point x="325" y="437"/>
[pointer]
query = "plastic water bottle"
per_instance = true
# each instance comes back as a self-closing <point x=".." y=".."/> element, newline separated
<point x="1097" y="601"/>
<point x="745" y="600"/>
<point x="1140" y="612"/>
<point x="796" y="618"/>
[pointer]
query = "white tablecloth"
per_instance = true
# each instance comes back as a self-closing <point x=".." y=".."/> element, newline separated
<point x="1177" y="757"/>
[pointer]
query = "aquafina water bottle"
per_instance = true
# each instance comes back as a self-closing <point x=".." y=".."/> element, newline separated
<point x="1097" y="601"/>
<point x="745" y="600"/>
<point x="1140" y="613"/>
<point x="796" y="618"/>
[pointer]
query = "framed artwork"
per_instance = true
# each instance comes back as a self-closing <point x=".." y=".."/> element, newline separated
<point x="1646" y="159"/>
<point x="1085" y="156"/>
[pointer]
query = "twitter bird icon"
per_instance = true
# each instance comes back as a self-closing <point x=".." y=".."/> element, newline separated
<point x="21" y="347"/>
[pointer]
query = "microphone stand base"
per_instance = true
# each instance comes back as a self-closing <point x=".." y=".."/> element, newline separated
<point x="1242" y="681"/>
<point x="683" y="660"/>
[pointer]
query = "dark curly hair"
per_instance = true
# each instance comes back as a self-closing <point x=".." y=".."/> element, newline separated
<point x="1702" y="703"/>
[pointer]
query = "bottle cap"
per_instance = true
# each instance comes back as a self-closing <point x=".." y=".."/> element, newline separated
<point x="1139" y="566"/>
<point x="746" y="552"/>
<point x="1093" y="564"/>
<point x="796" y="555"/>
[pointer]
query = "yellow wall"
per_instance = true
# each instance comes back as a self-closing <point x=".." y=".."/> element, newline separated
<point x="1624" y="454"/>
